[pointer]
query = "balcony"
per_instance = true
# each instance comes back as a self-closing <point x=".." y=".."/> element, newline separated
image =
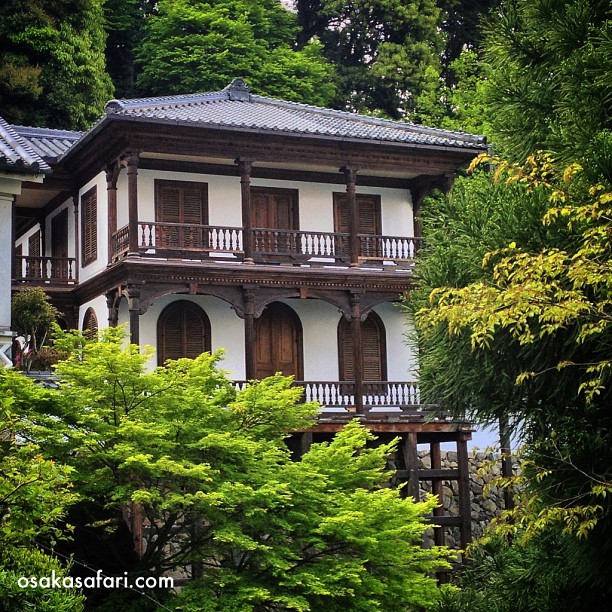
<point x="269" y="246"/>
<point x="337" y="398"/>
<point x="45" y="270"/>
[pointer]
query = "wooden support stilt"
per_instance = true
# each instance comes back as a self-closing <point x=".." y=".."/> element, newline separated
<point x="436" y="489"/>
<point x="465" y="503"/>
<point x="411" y="461"/>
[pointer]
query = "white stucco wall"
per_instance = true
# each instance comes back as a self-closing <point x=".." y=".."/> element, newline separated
<point x="23" y="240"/>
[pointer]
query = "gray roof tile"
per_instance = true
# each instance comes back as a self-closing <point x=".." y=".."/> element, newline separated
<point x="48" y="144"/>
<point x="236" y="107"/>
<point x="16" y="153"/>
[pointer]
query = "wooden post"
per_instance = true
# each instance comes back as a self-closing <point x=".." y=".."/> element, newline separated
<point x="356" y="335"/>
<point x="436" y="489"/>
<point x="506" y="460"/>
<point x="350" y="177"/>
<point x="244" y="167"/>
<point x="133" y="295"/>
<point x="411" y="462"/>
<point x="77" y="234"/>
<point x="248" y="296"/>
<point x="131" y="161"/>
<point x="112" y="174"/>
<point x="465" y="502"/>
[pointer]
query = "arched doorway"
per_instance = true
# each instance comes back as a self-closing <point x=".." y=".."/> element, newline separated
<point x="278" y="342"/>
<point x="374" y="350"/>
<point x="183" y="330"/>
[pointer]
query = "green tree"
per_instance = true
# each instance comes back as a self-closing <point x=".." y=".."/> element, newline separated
<point x="206" y="468"/>
<point x="52" y="70"/>
<point x="33" y="317"/>
<point x="193" y="45"/>
<point x="34" y="494"/>
<point x="386" y="52"/>
<point x="550" y="82"/>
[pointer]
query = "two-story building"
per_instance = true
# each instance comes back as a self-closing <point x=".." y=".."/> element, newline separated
<point x="283" y="233"/>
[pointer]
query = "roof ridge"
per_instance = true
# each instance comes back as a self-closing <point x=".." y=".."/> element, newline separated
<point x="381" y="121"/>
<point x="30" y="130"/>
<point x="163" y="101"/>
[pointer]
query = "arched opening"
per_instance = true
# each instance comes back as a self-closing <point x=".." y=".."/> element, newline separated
<point x="278" y="342"/>
<point x="374" y="349"/>
<point x="183" y="330"/>
<point x="90" y="324"/>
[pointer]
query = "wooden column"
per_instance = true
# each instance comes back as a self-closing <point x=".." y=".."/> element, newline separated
<point x="112" y="174"/>
<point x="131" y="162"/>
<point x="244" y="167"/>
<point x="436" y="489"/>
<point x="356" y="335"/>
<point x="350" y="177"/>
<point x="77" y="234"/>
<point x="506" y="460"/>
<point x="133" y="295"/>
<point x="113" y="309"/>
<point x="411" y="462"/>
<point x="248" y="295"/>
<point x="465" y="502"/>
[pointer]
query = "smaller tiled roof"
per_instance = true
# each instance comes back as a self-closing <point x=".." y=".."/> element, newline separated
<point x="235" y="107"/>
<point x="49" y="144"/>
<point x="16" y="154"/>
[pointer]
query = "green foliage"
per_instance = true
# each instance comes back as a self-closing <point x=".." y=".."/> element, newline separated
<point x="33" y="317"/>
<point x="192" y="45"/>
<point x="550" y="80"/>
<point x="206" y="468"/>
<point x="52" y="63"/>
<point x="34" y="494"/>
<point x="386" y="52"/>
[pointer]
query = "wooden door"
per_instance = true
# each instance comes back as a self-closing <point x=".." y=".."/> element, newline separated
<point x="278" y="343"/>
<point x="59" y="245"/>
<point x="368" y="222"/>
<point x="181" y="207"/>
<point x="274" y="217"/>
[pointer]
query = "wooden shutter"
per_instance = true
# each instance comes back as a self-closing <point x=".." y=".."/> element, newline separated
<point x="59" y="245"/>
<point x="274" y="208"/>
<point x="185" y="203"/>
<point x="183" y="330"/>
<point x="90" y="324"/>
<point x="34" y="267"/>
<point x="368" y="214"/>
<point x="89" y="226"/>
<point x="373" y="350"/>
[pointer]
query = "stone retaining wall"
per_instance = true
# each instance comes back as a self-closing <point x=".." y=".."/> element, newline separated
<point x="484" y="507"/>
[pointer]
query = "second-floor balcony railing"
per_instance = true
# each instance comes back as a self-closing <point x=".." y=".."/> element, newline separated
<point x="269" y="245"/>
<point x="46" y="270"/>
<point x="377" y="396"/>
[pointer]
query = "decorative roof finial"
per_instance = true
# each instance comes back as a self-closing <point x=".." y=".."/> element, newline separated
<point x="238" y="90"/>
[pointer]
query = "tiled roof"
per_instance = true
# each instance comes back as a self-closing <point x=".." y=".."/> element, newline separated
<point x="236" y="107"/>
<point x="16" y="154"/>
<point x="49" y="144"/>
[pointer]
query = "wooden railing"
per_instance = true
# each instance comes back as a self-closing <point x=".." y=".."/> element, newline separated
<point x="297" y="243"/>
<point x="377" y="395"/>
<point x="269" y="245"/>
<point x="45" y="269"/>
<point x="390" y="248"/>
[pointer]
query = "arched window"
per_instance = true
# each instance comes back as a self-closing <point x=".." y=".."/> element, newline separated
<point x="90" y="324"/>
<point x="183" y="330"/>
<point x="374" y="349"/>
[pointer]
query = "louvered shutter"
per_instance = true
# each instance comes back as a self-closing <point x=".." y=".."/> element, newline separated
<point x="373" y="350"/>
<point x="90" y="324"/>
<point x="89" y="226"/>
<point x="35" y="264"/>
<point x="183" y="331"/>
<point x="184" y="203"/>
